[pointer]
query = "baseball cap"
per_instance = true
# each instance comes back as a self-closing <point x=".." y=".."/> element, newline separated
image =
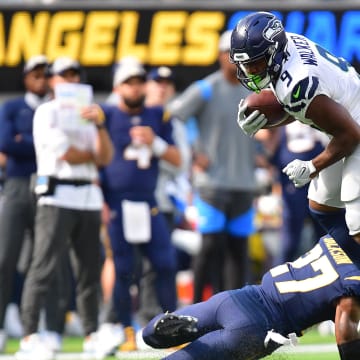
<point x="34" y="62"/>
<point x="162" y="72"/>
<point x="225" y="41"/>
<point x="128" y="70"/>
<point x="62" y="64"/>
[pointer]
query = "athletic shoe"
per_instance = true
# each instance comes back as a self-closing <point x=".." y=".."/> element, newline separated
<point x="130" y="340"/>
<point x="3" y="338"/>
<point x="110" y="336"/>
<point x="102" y="343"/>
<point x="52" y="340"/>
<point x="32" y="347"/>
<point x="172" y="325"/>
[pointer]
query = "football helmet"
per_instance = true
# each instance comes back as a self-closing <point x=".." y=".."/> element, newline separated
<point x="257" y="36"/>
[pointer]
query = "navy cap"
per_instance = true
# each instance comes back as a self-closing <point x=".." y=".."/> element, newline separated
<point x="162" y="72"/>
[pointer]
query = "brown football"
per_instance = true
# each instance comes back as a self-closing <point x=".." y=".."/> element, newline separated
<point x="267" y="104"/>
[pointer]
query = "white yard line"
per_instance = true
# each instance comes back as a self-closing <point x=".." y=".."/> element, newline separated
<point x="157" y="354"/>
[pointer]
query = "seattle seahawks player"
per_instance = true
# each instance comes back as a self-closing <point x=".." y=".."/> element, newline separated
<point x="318" y="89"/>
<point x="250" y="323"/>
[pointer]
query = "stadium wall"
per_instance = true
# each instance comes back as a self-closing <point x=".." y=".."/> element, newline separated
<point x="182" y="35"/>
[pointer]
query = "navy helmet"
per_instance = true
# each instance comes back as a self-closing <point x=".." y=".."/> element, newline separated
<point x="259" y="35"/>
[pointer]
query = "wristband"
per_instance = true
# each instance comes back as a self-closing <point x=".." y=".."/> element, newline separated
<point x="100" y="124"/>
<point x="159" y="146"/>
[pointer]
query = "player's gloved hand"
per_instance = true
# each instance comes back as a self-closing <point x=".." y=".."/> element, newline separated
<point x="251" y="124"/>
<point x="299" y="172"/>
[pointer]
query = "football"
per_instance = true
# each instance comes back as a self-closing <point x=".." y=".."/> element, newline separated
<point x="266" y="102"/>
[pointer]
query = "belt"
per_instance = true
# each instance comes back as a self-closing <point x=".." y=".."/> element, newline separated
<point x="74" y="182"/>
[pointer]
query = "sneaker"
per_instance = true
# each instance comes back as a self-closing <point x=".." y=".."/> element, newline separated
<point x="130" y="340"/>
<point x="52" y="340"/>
<point x="171" y="325"/>
<point x="97" y="346"/>
<point x="32" y="347"/>
<point x="3" y="338"/>
<point x="90" y="343"/>
<point x="110" y="336"/>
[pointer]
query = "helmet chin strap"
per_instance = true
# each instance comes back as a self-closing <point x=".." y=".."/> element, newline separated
<point x="257" y="82"/>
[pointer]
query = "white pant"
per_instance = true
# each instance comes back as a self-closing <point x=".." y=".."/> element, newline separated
<point x="339" y="186"/>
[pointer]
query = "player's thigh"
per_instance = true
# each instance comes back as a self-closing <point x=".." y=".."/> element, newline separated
<point x="350" y="188"/>
<point x="326" y="187"/>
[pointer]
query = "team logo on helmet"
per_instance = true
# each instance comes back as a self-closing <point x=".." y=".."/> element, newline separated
<point x="273" y="28"/>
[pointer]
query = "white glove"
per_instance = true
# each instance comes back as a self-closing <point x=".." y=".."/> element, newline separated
<point x="251" y="124"/>
<point x="299" y="172"/>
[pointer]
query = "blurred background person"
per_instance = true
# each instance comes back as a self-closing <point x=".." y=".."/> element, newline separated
<point x="223" y="176"/>
<point x="172" y="180"/>
<point x="18" y="203"/>
<point x="70" y="143"/>
<point x="142" y="135"/>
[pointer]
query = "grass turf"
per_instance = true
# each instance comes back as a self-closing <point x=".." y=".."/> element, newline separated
<point x="74" y="345"/>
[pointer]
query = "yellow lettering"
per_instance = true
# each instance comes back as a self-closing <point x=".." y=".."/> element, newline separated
<point x="166" y="37"/>
<point x="127" y="37"/>
<point x="99" y="38"/>
<point x="65" y="34"/>
<point x="26" y="38"/>
<point x="202" y="37"/>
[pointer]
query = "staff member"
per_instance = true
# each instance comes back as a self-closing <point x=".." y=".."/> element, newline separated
<point x="17" y="147"/>
<point x="68" y="208"/>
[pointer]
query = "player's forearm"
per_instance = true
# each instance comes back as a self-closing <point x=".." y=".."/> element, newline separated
<point x="75" y="156"/>
<point x="104" y="148"/>
<point x="172" y="155"/>
<point x="336" y="149"/>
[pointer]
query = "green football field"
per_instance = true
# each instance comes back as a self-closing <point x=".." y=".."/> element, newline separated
<point x="312" y="346"/>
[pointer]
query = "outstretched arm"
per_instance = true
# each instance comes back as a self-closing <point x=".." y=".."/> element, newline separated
<point x="346" y="328"/>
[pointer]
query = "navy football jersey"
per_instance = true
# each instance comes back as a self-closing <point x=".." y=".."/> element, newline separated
<point x="304" y="290"/>
<point x="124" y="174"/>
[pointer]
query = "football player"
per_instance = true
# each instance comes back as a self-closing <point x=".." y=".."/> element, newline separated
<point x="318" y="89"/>
<point x="252" y="322"/>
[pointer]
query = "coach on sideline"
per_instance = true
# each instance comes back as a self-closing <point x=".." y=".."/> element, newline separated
<point x="69" y="205"/>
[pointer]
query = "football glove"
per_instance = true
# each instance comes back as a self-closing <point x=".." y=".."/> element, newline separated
<point x="251" y="124"/>
<point x="299" y="172"/>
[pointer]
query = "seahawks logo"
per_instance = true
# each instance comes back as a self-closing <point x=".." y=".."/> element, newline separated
<point x="273" y="28"/>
